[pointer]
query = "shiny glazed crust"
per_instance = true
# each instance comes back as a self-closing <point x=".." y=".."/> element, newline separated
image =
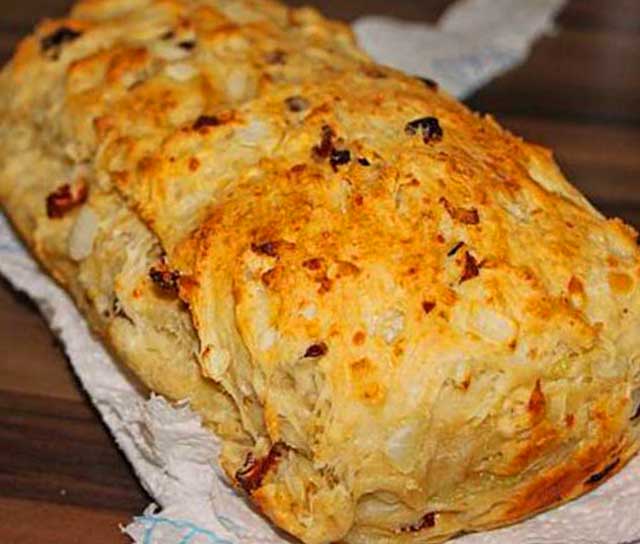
<point x="401" y="319"/>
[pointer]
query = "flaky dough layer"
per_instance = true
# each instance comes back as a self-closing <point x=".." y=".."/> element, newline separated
<point x="401" y="319"/>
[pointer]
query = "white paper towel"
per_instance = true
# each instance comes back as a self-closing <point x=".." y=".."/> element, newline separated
<point x="175" y="458"/>
<point x="473" y="42"/>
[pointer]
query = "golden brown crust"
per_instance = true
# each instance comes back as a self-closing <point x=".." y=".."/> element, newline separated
<point x="402" y="320"/>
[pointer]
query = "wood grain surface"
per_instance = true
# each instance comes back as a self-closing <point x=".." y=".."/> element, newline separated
<point x="63" y="480"/>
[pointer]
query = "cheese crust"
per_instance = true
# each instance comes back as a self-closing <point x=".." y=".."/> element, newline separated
<point x="402" y="320"/>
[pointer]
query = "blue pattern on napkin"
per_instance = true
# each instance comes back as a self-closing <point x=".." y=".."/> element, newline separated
<point x="190" y="530"/>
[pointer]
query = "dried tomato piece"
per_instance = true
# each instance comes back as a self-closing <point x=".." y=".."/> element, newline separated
<point x="165" y="279"/>
<point x="316" y="350"/>
<point x="599" y="476"/>
<point x="64" y="199"/>
<point x="471" y="268"/>
<point x="267" y="248"/>
<point x="251" y="475"/>
<point x="297" y="103"/>
<point x="58" y="38"/>
<point x="205" y="121"/>
<point x="426" y="522"/>
<point x="272" y="248"/>
<point x="313" y="264"/>
<point x="537" y="401"/>
<point x="324" y="149"/>
<point x="339" y="157"/>
<point x="428" y="126"/>
<point x="468" y="216"/>
<point x="428" y="306"/>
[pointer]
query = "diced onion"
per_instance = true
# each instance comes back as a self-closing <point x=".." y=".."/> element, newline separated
<point x="181" y="71"/>
<point x="83" y="234"/>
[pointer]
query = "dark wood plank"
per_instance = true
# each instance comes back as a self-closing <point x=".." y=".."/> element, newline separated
<point x="34" y="522"/>
<point x="54" y="451"/>
<point x="575" y="75"/>
<point x="8" y="41"/>
<point x="601" y="160"/>
<point x="56" y="455"/>
<point x="18" y="17"/>
<point x="348" y="10"/>
<point x="31" y="360"/>
<point x="619" y="16"/>
<point x="629" y="213"/>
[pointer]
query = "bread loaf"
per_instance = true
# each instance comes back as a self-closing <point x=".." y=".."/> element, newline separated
<point x="402" y="320"/>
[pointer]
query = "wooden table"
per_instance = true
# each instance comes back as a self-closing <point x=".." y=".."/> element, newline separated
<point x="62" y="480"/>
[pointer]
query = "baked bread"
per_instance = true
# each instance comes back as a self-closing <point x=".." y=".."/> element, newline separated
<point x="402" y="320"/>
